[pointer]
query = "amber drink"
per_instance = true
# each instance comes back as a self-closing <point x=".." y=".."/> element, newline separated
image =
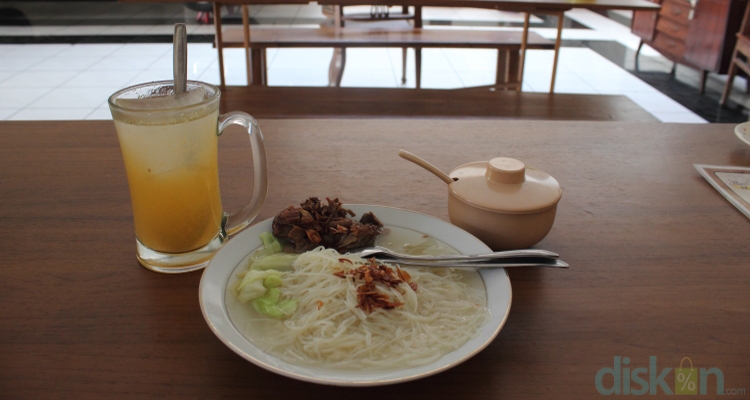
<point x="170" y="150"/>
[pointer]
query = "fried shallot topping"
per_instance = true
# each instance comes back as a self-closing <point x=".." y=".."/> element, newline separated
<point x="315" y="224"/>
<point x="372" y="273"/>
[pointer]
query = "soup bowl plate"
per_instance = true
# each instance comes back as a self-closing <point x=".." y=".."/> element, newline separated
<point x="217" y="303"/>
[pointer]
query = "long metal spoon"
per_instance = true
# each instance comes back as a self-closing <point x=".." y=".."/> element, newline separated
<point x="385" y="253"/>
<point x="179" y="60"/>
<point x="508" y="263"/>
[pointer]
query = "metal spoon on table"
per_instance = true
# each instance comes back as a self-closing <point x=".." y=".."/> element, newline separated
<point x="508" y="263"/>
<point x="509" y="258"/>
<point x="377" y="251"/>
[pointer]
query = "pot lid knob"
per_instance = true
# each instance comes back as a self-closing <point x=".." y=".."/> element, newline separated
<point x="504" y="185"/>
<point x="506" y="170"/>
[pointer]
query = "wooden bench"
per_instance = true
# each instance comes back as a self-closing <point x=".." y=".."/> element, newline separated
<point x="508" y="44"/>
<point x="334" y="102"/>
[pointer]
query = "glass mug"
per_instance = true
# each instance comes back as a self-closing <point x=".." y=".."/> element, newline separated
<point x="170" y="149"/>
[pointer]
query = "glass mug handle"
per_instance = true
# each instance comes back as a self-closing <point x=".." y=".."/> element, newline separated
<point x="239" y="220"/>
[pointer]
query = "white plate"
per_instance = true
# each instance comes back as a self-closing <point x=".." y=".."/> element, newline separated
<point x="743" y="132"/>
<point x="225" y="265"/>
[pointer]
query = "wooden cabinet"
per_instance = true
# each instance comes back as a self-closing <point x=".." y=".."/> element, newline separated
<point x="644" y="24"/>
<point x="699" y="34"/>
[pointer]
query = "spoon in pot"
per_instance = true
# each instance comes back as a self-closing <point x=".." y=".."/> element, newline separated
<point x="426" y="165"/>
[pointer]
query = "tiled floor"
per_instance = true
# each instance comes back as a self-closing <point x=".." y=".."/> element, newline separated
<point x="72" y="81"/>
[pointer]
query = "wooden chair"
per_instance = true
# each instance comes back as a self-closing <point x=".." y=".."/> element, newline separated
<point x="741" y="57"/>
<point x="219" y="41"/>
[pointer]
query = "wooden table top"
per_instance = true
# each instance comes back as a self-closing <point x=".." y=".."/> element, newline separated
<point x="659" y="259"/>
<point x="333" y="102"/>
<point x="505" y="5"/>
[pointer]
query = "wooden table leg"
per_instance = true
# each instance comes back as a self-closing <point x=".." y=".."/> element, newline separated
<point x="257" y="69"/>
<point x="515" y="58"/>
<point x="338" y="22"/>
<point x="336" y="68"/>
<point x="418" y="65"/>
<point x="246" y="31"/>
<point x="264" y="60"/>
<point x="343" y="65"/>
<point x="403" y="65"/>
<point x="558" y="42"/>
<point x="702" y="82"/>
<point x="501" y="74"/>
<point x="524" y="44"/>
<point x="730" y="79"/>
<point x="417" y="51"/>
<point x="219" y="42"/>
<point x="637" y="53"/>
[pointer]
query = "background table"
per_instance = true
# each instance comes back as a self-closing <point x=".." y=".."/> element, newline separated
<point x="551" y="7"/>
<point x="659" y="260"/>
<point x="504" y="5"/>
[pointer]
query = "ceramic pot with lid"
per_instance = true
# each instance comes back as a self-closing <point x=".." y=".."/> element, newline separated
<point x="504" y="203"/>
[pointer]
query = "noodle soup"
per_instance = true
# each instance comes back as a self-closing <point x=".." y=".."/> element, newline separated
<point x="407" y="241"/>
<point x="328" y="330"/>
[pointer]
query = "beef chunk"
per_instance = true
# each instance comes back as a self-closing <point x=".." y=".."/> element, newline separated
<point x="316" y="224"/>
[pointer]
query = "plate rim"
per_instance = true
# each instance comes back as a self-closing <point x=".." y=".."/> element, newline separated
<point x="278" y="368"/>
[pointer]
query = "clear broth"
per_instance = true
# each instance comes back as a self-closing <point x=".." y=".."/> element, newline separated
<point x="250" y="323"/>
